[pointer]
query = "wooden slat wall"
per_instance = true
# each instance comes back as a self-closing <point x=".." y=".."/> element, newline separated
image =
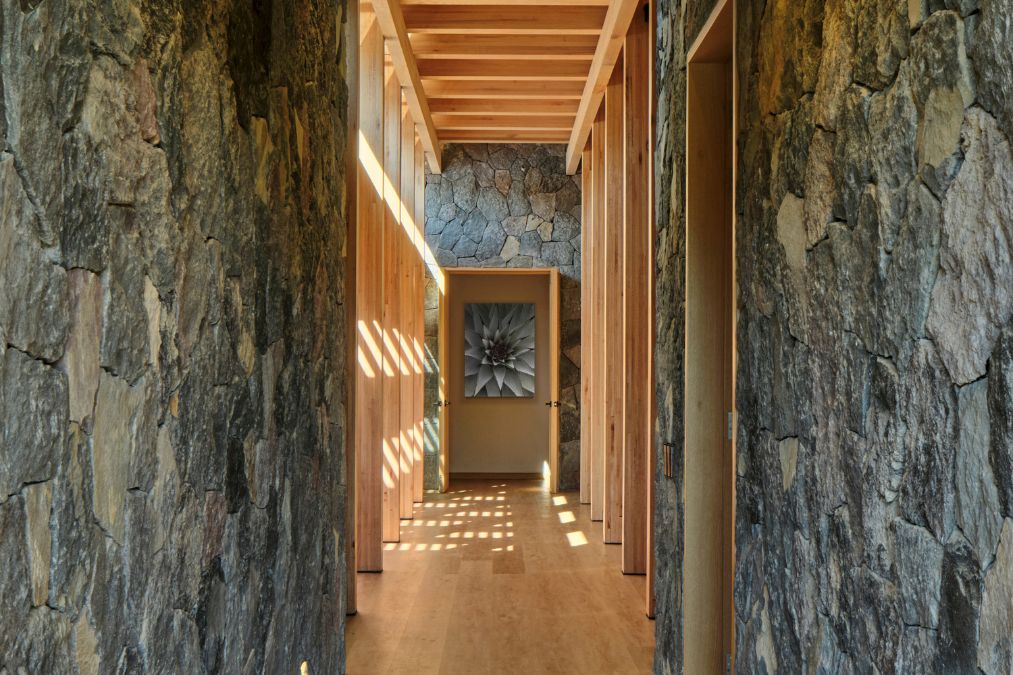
<point x="391" y="314"/>
<point x="587" y="219"/>
<point x="369" y="301"/>
<point x="612" y="332"/>
<point x="636" y="270"/>
<point x="406" y="333"/>
<point x="597" y="246"/>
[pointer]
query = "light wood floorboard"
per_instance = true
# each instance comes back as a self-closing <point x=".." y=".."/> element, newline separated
<point x="499" y="576"/>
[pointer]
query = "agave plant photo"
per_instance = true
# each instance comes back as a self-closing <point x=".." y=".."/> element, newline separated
<point x="499" y="350"/>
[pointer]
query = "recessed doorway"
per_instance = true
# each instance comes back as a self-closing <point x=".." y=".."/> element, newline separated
<point x="514" y="435"/>
<point x="710" y="355"/>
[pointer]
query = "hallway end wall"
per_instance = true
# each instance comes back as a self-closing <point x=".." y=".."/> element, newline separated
<point x="172" y="359"/>
<point x="874" y="524"/>
<point x="499" y="206"/>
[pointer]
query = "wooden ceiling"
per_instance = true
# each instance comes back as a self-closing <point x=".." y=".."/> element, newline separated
<point x="488" y="71"/>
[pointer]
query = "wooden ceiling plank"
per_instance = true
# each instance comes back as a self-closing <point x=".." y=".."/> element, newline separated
<point x="534" y="3"/>
<point x="610" y="43"/>
<point x="485" y="136"/>
<point x="478" y="106"/>
<point x="502" y="69"/>
<point x="492" y="47"/>
<point x="503" y="122"/>
<point x="391" y="18"/>
<point x="504" y="19"/>
<point x="492" y="89"/>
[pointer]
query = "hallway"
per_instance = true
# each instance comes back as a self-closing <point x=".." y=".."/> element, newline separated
<point x="500" y="577"/>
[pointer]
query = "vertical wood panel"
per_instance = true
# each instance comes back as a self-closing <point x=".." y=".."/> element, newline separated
<point x="419" y="334"/>
<point x="597" y="346"/>
<point x="406" y="309"/>
<point x="391" y="284"/>
<point x="587" y="221"/>
<point x="636" y="321"/>
<point x="652" y="461"/>
<point x="613" y="376"/>
<point x="369" y="301"/>
<point x="554" y="378"/>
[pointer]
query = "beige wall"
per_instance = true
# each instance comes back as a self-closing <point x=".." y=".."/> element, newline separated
<point x="499" y="435"/>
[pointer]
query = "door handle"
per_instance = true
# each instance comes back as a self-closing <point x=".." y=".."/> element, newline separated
<point x="553" y="404"/>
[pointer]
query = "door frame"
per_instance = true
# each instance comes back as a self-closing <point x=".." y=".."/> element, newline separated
<point x="552" y="277"/>
<point x="710" y="348"/>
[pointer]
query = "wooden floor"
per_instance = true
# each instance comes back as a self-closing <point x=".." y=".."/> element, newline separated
<point x="500" y="577"/>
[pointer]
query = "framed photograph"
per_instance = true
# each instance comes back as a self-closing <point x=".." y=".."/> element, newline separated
<point x="499" y="350"/>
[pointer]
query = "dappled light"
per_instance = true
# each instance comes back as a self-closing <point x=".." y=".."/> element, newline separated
<point x="576" y="538"/>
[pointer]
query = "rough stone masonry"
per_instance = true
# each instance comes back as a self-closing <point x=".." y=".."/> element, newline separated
<point x="171" y="336"/>
<point x="874" y="522"/>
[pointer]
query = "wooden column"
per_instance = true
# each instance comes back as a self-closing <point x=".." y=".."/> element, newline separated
<point x="391" y="299"/>
<point x="587" y="222"/>
<point x="613" y="375"/>
<point x="419" y="334"/>
<point x="351" y="37"/>
<point x="406" y="309"/>
<point x="636" y="272"/>
<point x="652" y="407"/>
<point x="368" y="363"/>
<point x="597" y="346"/>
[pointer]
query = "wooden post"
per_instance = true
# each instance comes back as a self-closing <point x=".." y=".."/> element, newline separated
<point x="406" y="309"/>
<point x="597" y="346"/>
<point x="586" y="303"/>
<point x="613" y="375"/>
<point x="554" y="379"/>
<point x="391" y="299"/>
<point x="636" y="321"/>
<point x="419" y="334"/>
<point x="652" y="406"/>
<point x="369" y="300"/>
<point x="351" y="37"/>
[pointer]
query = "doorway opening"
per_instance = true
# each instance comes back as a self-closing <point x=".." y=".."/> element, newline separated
<point x="502" y="430"/>
<point x="710" y="347"/>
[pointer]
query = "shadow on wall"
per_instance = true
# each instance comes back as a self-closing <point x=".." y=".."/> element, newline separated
<point x="508" y="206"/>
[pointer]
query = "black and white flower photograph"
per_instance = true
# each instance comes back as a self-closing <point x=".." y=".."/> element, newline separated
<point x="499" y="350"/>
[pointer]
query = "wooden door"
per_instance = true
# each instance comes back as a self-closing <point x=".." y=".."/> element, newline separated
<point x="554" y="409"/>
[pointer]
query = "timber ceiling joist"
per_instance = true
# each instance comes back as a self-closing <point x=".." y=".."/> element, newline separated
<point x="495" y="71"/>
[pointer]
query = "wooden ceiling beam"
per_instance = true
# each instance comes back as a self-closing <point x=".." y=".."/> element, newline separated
<point x="392" y="23"/>
<point x="502" y="69"/>
<point x="491" y="47"/>
<point x="473" y="106"/>
<point x="610" y="43"/>
<point x="504" y="19"/>
<point x="504" y="122"/>
<point x="493" y="89"/>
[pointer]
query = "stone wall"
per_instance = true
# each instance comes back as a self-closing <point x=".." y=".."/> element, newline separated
<point x="508" y="206"/>
<point x="171" y="336"/>
<point x="874" y="523"/>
